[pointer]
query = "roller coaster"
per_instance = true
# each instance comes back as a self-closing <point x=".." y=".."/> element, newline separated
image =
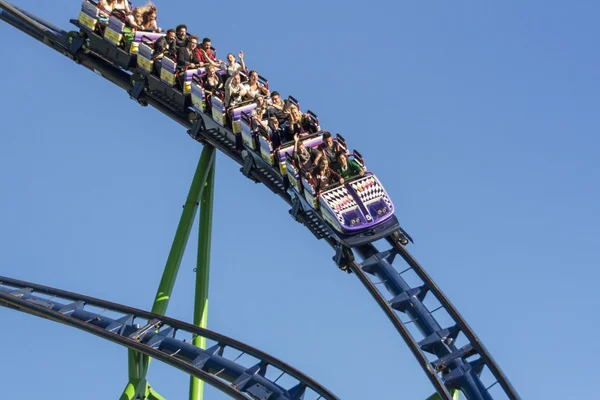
<point x="451" y="368"/>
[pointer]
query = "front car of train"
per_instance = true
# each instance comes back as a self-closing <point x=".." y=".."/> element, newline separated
<point x="358" y="205"/>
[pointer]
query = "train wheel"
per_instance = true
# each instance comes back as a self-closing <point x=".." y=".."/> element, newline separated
<point x="398" y="237"/>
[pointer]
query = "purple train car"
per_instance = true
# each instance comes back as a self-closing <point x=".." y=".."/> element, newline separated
<point x="357" y="205"/>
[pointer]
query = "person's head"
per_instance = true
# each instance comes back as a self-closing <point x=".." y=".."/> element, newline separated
<point x="181" y="31"/>
<point x="210" y="71"/>
<point x="206" y="44"/>
<point x="294" y="112"/>
<point x="192" y="42"/>
<point x="231" y="58"/>
<point x="259" y="100"/>
<point x="253" y="77"/>
<point x="150" y="13"/>
<point x="171" y="35"/>
<point x="235" y="78"/>
<point x="324" y="164"/>
<point x="342" y="159"/>
<point x="273" y="123"/>
<point x="149" y="17"/>
<point x="328" y="139"/>
<point x="275" y="97"/>
<point x="138" y="15"/>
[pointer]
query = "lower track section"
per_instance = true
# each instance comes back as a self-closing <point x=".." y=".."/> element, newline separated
<point x="451" y="355"/>
<point x="236" y="369"/>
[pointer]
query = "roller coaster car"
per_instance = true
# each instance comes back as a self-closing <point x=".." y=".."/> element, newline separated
<point x="359" y="210"/>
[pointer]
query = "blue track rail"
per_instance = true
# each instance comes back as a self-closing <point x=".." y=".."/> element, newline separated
<point x="451" y="356"/>
<point x="168" y="340"/>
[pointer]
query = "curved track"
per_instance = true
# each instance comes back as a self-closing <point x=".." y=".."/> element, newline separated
<point x="452" y="356"/>
<point x="156" y="337"/>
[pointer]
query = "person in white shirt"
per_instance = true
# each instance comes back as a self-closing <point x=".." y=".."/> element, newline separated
<point x="234" y="90"/>
<point x="232" y="65"/>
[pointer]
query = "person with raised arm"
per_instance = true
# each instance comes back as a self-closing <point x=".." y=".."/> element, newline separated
<point x="328" y="149"/>
<point x="232" y="65"/>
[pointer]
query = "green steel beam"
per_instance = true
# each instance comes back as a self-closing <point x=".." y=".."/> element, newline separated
<point x="138" y="364"/>
<point x="203" y="274"/>
<point x="167" y="282"/>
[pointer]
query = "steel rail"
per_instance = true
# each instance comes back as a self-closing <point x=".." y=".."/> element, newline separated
<point x="223" y="340"/>
<point x="13" y="302"/>
<point x="401" y="328"/>
<point x="122" y="79"/>
<point x="457" y="317"/>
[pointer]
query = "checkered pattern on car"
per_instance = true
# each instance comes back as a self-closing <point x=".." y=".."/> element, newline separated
<point x="369" y="189"/>
<point x="339" y="200"/>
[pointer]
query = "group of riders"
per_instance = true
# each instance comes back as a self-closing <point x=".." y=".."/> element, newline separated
<point x="323" y="165"/>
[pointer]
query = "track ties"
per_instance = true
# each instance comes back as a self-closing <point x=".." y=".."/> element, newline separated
<point x="150" y="326"/>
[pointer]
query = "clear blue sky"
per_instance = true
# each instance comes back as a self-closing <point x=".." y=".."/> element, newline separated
<point x="480" y="118"/>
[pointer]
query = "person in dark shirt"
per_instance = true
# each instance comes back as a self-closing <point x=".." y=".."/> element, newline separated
<point x="278" y="135"/>
<point x="328" y="148"/>
<point x="181" y="38"/>
<point x="278" y="108"/>
<point x="212" y="81"/>
<point x="185" y="55"/>
<point x="324" y="176"/>
<point x="303" y="156"/>
<point x="165" y="44"/>
<point x="347" y="168"/>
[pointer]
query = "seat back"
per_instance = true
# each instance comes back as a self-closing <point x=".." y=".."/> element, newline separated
<point x="114" y="31"/>
<point x="137" y="39"/>
<point x="236" y="115"/>
<point x="168" y="71"/>
<point x="219" y="113"/>
<point x="88" y="16"/>
<point x="197" y="92"/>
<point x="188" y="77"/>
<point x="145" y="59"/>
<point x="249" y="126"/>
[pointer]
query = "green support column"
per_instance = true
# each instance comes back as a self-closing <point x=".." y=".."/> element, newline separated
<point x="138" y="364"/>
<point x="203" y="274"/>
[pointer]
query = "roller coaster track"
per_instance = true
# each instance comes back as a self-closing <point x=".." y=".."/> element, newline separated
<point x="156" y="337"/>
<point x="452" y="357"/>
